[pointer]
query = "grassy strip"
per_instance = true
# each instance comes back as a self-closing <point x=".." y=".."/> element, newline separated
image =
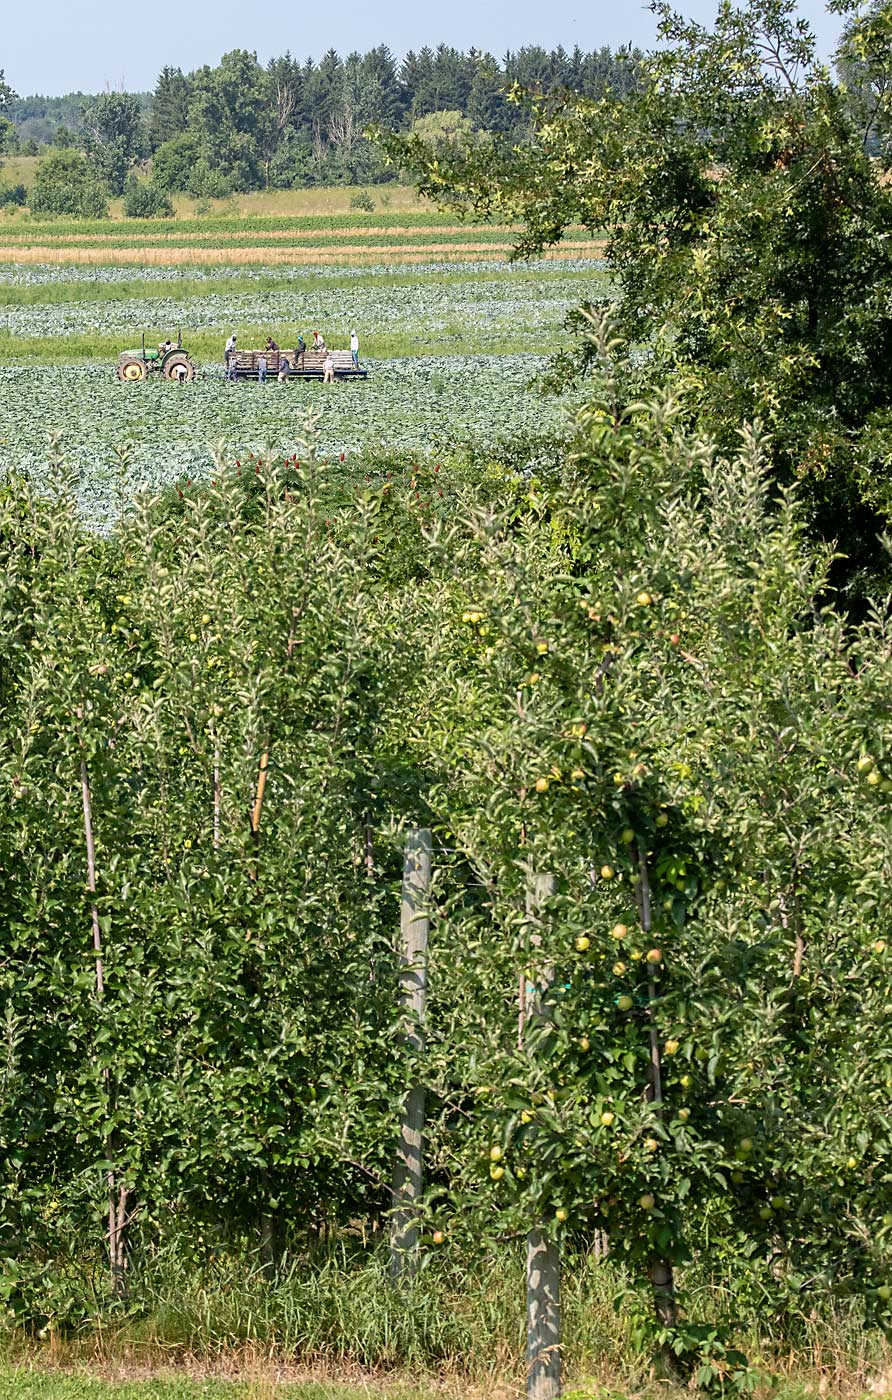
<point x="159" y="233"/>
<point x="328" y="240"/>
<point x="142" y="289"/>
<point x="271" y="223"/>
<point x="206" y="346"/>
<point x="460" y="1326"/>
<point x="21" y="1384"/>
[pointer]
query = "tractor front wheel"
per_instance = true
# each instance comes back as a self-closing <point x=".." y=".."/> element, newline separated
<point x="178" y="366"/>
<point x="130" y="371"/>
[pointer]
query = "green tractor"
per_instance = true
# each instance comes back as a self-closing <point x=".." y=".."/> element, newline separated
<point x="171" y="360"/>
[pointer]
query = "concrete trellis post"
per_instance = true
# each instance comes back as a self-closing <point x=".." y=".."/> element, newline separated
<point x="408" y="1166"/>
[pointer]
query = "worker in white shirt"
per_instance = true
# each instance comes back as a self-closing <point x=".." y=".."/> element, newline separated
<point x="229" y="356"/>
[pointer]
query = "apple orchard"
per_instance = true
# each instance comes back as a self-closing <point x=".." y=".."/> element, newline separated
<point x="665" y="717"/>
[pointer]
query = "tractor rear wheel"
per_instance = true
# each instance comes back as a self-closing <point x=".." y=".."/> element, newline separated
<point x="178" y="366"/>
<point x="131" y="370"/>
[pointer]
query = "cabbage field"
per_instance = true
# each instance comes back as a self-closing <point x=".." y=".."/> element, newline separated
<point x="424" y="405"/>
<point x="453" y="356"/>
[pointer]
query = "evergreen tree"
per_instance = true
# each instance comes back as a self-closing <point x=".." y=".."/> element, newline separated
<point x="170" y="107"/>
<point x="7" y="96"/>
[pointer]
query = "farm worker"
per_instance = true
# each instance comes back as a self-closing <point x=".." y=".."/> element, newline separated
<point x="328" y="369"/>
<point x="229" y="356"/>
<point x="284" y="369"/>
<point x="354" y="349"/>
<point x="318" y="341"/>
<point x="181" y="374"/>
<point x="299" y="352"/>
<point x="261" y="369"/>
<point x="271" y="344"/>
<point x="165" y="346"/>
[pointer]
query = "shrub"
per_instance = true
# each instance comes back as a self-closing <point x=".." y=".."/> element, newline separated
<point x="146" y="201"/>
<point x="363" y="200"/>
<point x="64" y="184"/>
<point x="12" y="194"/>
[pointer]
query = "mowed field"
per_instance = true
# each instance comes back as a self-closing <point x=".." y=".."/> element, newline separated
<point x="453" y="333"/>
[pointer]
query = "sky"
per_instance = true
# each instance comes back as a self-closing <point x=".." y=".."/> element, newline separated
<point x="92" y="45"/>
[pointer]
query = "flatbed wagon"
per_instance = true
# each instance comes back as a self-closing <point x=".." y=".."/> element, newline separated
<point x="242" y="364"/>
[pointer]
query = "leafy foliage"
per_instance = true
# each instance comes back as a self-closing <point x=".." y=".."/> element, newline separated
<point x="65" y="184"/>
<point x="146" y="201"/>
<point x="747" y="231"/>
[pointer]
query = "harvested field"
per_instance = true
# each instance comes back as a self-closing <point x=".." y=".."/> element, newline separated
<point x="354" y="254"/>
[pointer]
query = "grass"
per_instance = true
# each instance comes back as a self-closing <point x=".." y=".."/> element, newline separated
<point x="459" y="1329"/>
<point x="18" y="170"/>
<point x="300" y="233"/>
<point x="317" y="200"/>
<point x="205" y="346"/>
<point x="26" y="1383"/>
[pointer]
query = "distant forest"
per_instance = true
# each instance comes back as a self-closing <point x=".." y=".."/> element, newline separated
<point x="241" y="125"/>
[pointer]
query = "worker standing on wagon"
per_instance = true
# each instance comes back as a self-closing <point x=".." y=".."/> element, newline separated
<point x="354" y="349"/>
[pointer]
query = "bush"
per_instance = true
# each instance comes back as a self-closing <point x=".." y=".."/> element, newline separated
<point x="363" y="200"/>
<point x="146" y="201"/>
<point x="174" y="162"/>
<point x="12" y="194"/>
<point x="65" y="185"/>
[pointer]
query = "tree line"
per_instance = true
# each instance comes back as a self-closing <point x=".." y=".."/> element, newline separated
<point x="242" y="125"/>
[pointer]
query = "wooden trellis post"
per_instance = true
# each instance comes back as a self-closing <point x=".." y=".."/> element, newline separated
<point x="543" y="1253"/>
<point x="408" y="1167"/>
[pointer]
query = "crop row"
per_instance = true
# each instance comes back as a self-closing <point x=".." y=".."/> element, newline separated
<point x="488" y="307"/>
<point x="41" y="284"/>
